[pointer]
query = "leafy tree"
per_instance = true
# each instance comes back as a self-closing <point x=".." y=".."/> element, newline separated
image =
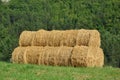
<point x="103" y="15"/>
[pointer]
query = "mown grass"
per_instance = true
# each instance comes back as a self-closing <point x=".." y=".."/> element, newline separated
<point x="9" y="71"/>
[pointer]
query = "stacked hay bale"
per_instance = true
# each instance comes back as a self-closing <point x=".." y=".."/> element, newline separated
<point x="60" y="48"/>
<point x="55" y="38"/>
<point x="87" y="56"/>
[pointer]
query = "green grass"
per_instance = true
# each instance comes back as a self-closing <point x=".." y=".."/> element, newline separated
<point x="9" y="71"/>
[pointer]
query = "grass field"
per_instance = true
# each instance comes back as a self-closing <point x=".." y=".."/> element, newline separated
<point x="9" y="71"/>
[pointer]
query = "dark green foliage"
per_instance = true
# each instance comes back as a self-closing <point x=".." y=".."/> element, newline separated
<point x="111" y="45"/>
<point x="103" y="15"/>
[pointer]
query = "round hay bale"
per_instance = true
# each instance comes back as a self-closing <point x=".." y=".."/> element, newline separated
<point x="32" y="54"/>
<point x="87" y="57"/>
<point x="92" y="51"/>
<point x="99" y="58"/>
<point x="69" y="38"/>
<point x="63" y="57"/>
<point x="79" y="56"/>
<point x="15" y="55"/>
<point x="95" y="57"/>
<point x="55" y="37"/>
<point x="88" y="38"/>
<point x="44" y="55"/>
<point x="18" y="55"/>
<point x="28" y="54"/>
<point x="55" y="56"/>
<point x="26" y="38"/>
<point x="52" y="56"/>
<point x="83" y="37"/>
<point x="95" y="40"/>
<point x="40" y="38"/>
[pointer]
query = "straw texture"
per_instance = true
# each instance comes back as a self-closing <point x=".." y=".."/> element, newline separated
<point x="26" y="38"/>
<point x="18" y="55"/>
<point x="84" y="56"/>
<point x="78" y="48"/>
<point x="69" y="38"/>
<point x="57" y="56"/>
<point x="40" y="38"/>
<point x="88" y="38"/>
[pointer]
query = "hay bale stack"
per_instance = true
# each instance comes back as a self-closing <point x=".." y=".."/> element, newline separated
<point x="59" y="56"/>
<point x="88" y="38"/>
<point x="84" y="56"/>
<point x="26" y="38"/>
<point x="60" y="48"/>
<point x="69" y="38"/>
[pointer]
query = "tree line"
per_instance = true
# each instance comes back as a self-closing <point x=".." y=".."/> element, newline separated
<point x="103" y="15"/>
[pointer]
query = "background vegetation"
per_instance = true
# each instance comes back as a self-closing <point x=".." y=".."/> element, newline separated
<point x="103" y="15"/>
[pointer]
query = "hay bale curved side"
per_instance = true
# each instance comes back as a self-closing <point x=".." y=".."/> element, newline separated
<point x="52" y="56"/>
<point x="87" y="57"/>
<point x="83" y="37"/>
<point x="32" y="54"/>
<point x="41" y="56"/>
<point x="64" y="55"/>
<point x="47" y="53"/>
<point x="95" y="57"/>
<point x="54" y="38"/>
<point x="40" y="38"/>
<point x="91" y="60"/>
<point x="79" y="56"/>
<point x="15" y="55"/>
<point x="55" y="56"/>
<point x="69" y="38"/>
<point x="26" y="38"/>
<point x="95" y="40"/>
<point x="44" y="55"/>
<point x="18" y="55"/>
<point x="99" y="58"/>
<point x="88" y="38"/>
